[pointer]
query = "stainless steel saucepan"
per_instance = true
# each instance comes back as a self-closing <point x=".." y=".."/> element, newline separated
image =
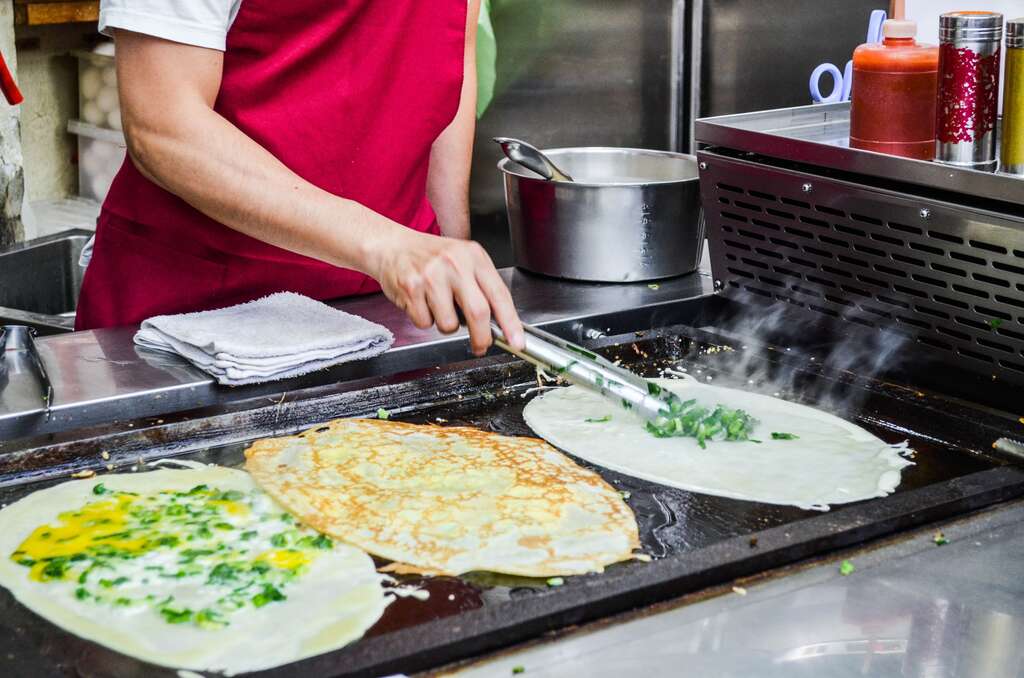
<point x="628" y="215"/>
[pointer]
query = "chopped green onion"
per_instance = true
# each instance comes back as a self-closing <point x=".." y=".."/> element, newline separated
<point x="99" y="488"/>
<point x="324" y="542"/>
<point x="222" y="573"/>
<point x="172" y="616"/>
<point x="269" y="594"/>
<point x="784" y="436"/>
<point x="210" y="619"/>
<point x="555" y="581"/>
<point x="940" y="539"/>
<point x="994" y="323"/>
<point x="55" y="568"/>
<point x="695" y="421"/>
<point x="846" y="568"/>
<point x="598" y="420"/>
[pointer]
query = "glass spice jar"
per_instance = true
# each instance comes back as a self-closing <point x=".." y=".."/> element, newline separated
<point x="968" y="97"/>
<point x="1012" y="148"/>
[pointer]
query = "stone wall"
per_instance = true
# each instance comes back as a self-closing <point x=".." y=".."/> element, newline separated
<point x="48" y="76"/>
<point x="12" y="172"/>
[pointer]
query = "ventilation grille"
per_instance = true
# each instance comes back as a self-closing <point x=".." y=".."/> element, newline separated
<point x="951" y="278"/>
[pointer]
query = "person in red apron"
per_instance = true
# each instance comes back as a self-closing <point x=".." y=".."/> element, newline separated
<point x="316" y="147"/>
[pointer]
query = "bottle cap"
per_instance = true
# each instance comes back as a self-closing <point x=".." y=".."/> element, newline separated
<point x="897" y="28"/>
<point x="1015" y="33"/>
<point x="970" y="27"/>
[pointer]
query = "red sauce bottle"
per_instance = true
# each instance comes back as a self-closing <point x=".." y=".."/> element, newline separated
<point x="895" y="85"/>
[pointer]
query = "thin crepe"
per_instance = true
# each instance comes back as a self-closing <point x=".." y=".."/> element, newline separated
<point x="831" y="462"/>
<point x="447" y="500"/>
<point x="329" y="604"/>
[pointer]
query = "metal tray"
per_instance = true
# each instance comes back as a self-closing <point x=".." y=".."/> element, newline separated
<point x="819" y="135"/>
<point x="696" y="540"/>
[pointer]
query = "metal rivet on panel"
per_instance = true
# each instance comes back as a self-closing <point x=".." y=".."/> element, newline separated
<point x="925" y="213"/>
<point x="807" y="188"/>
<point x="703" y="165"/>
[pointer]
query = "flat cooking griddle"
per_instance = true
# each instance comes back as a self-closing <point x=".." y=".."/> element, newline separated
<point x="695" y="540"/>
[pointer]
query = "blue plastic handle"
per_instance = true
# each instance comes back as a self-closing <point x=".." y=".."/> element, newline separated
<point x="837" y="84"/>
<point x="878" y="17"/>
<point x="843" y="82"/>
<point x="847" y="80"/>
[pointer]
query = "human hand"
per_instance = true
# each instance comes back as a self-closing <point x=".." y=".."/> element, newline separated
<point x="427" y="276"/>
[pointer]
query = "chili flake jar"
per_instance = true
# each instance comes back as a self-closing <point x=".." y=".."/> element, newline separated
<point x="968" y="99"/>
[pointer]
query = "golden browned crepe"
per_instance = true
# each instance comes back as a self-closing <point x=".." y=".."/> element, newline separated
<point x="447" y="500"/>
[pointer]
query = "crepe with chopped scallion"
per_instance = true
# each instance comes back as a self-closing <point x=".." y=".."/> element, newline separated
<point x="187" y="569"/>
<point x="725" y="442"/>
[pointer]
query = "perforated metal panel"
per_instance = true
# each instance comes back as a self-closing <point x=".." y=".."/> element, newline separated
<point x="949" y="276"/>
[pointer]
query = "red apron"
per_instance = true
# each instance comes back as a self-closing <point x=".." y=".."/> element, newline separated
<point x="349" y="94"/>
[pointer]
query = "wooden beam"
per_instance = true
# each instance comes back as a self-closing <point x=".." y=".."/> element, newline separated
<point x="40" y="13"/>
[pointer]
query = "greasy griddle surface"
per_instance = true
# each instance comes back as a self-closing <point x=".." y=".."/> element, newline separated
<point x="673" y="523"/>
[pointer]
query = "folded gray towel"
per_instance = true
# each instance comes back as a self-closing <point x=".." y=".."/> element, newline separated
<point x="279" y="336"/>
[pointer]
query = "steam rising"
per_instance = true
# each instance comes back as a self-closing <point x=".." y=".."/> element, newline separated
<point x="854" y="350"/>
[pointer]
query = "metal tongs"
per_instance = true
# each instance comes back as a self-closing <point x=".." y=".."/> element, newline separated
<point x="22" y="338"/>
<point x="589" y="370"/>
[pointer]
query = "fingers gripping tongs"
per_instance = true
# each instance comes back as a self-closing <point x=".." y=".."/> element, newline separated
<point x="21" y="339"/>
<point x="589" y="370"/>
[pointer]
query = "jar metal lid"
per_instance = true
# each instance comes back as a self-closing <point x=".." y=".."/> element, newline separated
<point x="1015" y="33"/>
<point x="971" y="27"/>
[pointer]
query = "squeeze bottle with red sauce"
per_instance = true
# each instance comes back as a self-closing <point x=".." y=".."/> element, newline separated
<point x="895" y="84"/>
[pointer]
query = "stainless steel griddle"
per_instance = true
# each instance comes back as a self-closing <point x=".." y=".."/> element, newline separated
<point x="696" y="540"/>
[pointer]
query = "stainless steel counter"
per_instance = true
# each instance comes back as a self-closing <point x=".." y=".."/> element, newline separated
<point x="908" y="609"/>
<point x="101" y="377"/>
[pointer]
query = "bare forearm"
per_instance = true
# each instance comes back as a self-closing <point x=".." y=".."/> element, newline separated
<point x="452" y="152"/>
<point x="177" y="139"/>
<point x="223" y="173"/>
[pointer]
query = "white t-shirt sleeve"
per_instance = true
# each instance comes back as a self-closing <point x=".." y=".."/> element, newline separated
<point x="203" y="23"/>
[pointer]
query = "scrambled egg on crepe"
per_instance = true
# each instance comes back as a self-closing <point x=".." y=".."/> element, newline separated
<point x="194" y="569"/>
<point x="447" y="500"/>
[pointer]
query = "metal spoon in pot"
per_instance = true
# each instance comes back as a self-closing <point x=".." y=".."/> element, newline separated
<point x="532" y="159"/>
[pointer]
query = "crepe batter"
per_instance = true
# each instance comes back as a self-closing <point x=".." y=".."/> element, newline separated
<point x="192" y="569"/>
<point x="830" y="460"/>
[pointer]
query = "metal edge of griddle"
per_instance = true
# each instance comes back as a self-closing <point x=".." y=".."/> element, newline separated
<point x="59" y="456"/>
<point x="759" y="132"/>
<point x="195" y="430"/>
<point x="362" y="376"/>
<point x="202" y="391"/>
<point x="635" y="585"/>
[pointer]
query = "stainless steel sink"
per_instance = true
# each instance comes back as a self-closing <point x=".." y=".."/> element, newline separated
<point x="40" y="280"/>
